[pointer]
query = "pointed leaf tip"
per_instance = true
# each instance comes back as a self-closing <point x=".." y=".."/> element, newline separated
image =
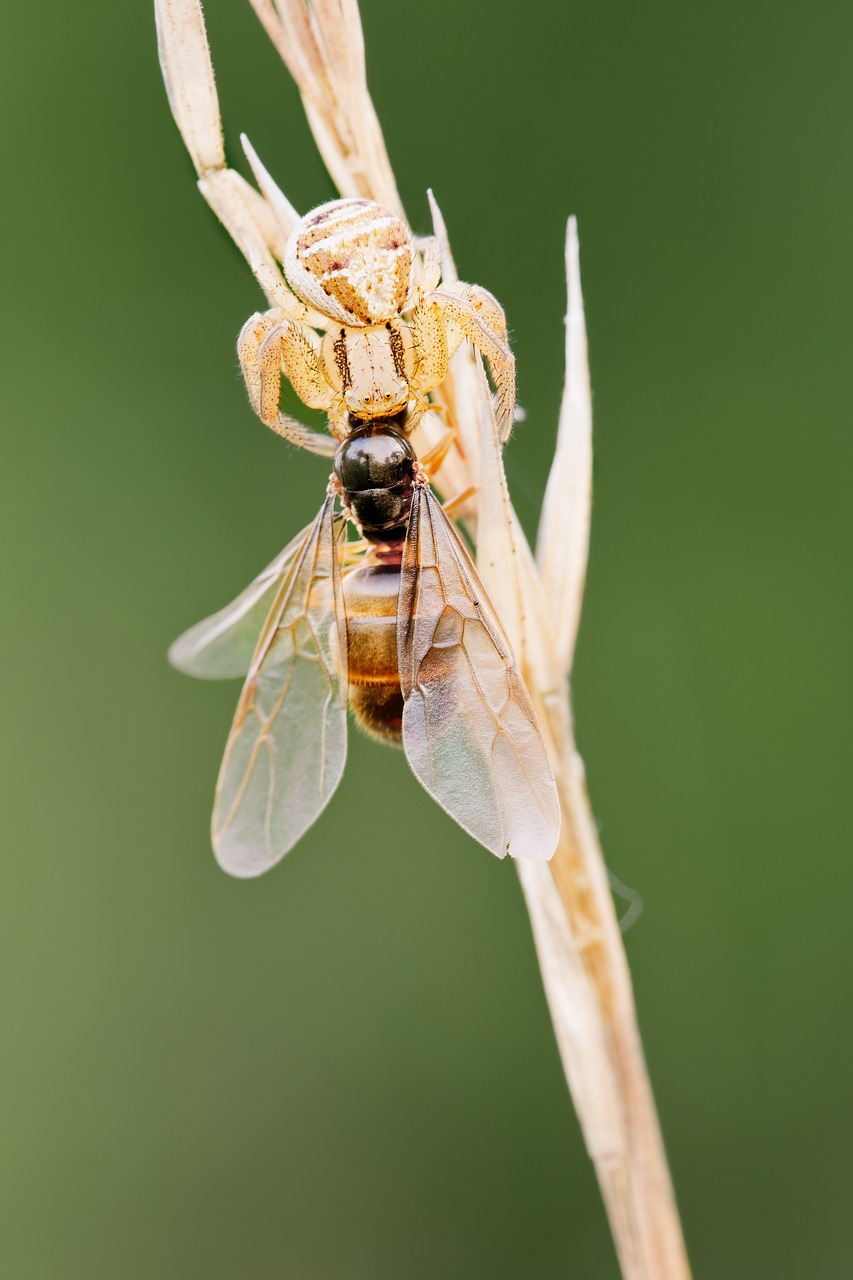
<point x="563" y="541"/>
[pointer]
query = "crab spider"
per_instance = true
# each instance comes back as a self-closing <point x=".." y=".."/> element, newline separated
<point x="354" y="272"/>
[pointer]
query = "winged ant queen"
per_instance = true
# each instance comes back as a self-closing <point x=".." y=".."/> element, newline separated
<point x="394" y="624"/>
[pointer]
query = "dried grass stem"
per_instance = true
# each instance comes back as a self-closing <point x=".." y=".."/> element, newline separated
<point x="581" y="955"/>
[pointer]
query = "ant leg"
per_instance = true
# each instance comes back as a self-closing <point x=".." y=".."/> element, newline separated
<point x="459" y="500"/>
<point x="432" y="460"/>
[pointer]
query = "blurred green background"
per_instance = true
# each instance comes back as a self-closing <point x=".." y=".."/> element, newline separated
<point x="346" y="1069"/>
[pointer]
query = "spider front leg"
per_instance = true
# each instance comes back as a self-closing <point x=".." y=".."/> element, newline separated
<point x="432" y="356"/>
<point x="480" y="317"/>
<point x="265" y="345"/>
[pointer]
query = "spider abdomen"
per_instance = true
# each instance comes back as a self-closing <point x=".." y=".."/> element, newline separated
<point x="352" y="260"/>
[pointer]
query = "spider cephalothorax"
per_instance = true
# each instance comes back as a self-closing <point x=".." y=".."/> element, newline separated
<point x="367" y="332"/>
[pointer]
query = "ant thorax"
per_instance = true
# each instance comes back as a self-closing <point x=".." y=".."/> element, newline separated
<point x="375" y="469"/>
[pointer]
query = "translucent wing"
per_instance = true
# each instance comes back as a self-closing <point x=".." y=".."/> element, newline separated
<point x="469" y="729"/>
<point x="223" y="644"/>
<point x="287" y="748"/>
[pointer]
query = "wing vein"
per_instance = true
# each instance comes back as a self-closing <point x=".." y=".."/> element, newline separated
<point x="469" y="729"/>
<point x="298" y="722"/>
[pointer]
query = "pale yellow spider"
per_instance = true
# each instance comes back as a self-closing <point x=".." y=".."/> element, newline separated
<point x="356" y="270"/>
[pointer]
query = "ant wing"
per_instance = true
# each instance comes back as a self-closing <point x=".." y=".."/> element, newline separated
<point x="288" y="744"/>
<point x="222" y="645"/>
<point x="469" y="728"/>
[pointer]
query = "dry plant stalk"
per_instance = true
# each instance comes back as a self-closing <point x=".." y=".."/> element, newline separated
<point x="584" y="967"/>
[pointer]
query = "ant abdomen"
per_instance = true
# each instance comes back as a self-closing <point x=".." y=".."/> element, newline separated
<point x="371" y="593"/>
